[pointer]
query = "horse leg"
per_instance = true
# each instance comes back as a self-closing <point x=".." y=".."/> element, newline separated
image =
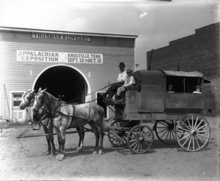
<point x="81" y="139"/>
<point x="102" y="134"/>
<point x="62" y="140"/>
<point x="53" y="151"/>
<point x="95" y="131"/>
<point x="48" y="139"/>
<point x="59" y="141"/>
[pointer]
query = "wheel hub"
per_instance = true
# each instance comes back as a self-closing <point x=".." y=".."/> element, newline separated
<point x="193" y="132"/>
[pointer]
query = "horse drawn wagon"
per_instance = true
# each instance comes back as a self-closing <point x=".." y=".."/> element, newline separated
<point x="176" y="115"/>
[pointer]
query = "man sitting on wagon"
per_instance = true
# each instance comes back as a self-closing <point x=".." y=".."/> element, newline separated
<point x="129" y="81"/>
<point x="120" y="81"/>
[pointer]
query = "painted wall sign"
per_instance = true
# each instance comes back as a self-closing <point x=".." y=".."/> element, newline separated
<point x="42" y="56"/>
<point x="60" y="37"/>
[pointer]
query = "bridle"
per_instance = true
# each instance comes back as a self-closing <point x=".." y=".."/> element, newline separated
<point x="27" y="103"/>
<point x="40" y="108"/>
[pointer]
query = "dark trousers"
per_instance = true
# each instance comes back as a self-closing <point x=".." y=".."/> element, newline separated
<point x="113" y="89"/>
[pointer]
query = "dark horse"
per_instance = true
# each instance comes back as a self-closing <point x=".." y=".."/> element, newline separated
<point x="27" y="101"/>
<point x="64" y="116"/>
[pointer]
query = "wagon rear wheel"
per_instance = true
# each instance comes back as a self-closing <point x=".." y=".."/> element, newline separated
<point x="165" y="131"/>
<point x="117" y="135"/>
<point x="193" y="132"/>
<point x="140" y="139"/>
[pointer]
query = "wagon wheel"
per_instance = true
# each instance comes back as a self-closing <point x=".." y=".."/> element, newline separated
<point x="165" y="131"/>
<point x="140" y="139"/>
<point x="116" y="135"/>
<point x="193" y="132"/>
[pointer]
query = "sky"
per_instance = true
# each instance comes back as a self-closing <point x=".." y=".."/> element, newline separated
<point x="155" y="22"/>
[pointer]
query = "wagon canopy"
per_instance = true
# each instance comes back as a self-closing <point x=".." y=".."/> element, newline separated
<point x="183" y="74"/>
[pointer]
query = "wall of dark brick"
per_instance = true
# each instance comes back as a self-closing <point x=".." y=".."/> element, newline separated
<point x="197" y="52"/>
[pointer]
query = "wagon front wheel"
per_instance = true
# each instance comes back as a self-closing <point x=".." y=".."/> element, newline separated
<point x="140" y="139"/>
<point x="117" y="135"/>
<point x="193" y="132"/>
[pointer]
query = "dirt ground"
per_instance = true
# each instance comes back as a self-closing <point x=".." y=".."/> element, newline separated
<point x="23" y="159"/>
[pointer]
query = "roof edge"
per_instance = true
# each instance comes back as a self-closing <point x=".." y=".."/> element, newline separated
<point x="3" y="28"/>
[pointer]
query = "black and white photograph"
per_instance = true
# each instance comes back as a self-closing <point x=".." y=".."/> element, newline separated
<point x="110" y="90"/>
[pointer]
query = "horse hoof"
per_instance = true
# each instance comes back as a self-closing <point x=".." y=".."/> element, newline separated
<point x="94" y="152"/>
<point x="58" y="157"/>
<point x="47" y="153"/>
<point x="61" y="157"/>
<point x="53" y="154"/>
<point x="79" y="150"/>
<point x="100" y="152"/>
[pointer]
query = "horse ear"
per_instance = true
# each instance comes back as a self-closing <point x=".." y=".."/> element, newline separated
<point x="44" y="90"/>
<point x="39" y="89"/>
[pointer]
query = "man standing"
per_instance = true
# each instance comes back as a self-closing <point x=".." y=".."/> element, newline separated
<point x="120" y="81"/>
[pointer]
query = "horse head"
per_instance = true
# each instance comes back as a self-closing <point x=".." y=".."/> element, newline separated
<point x="38" y="107"/>
<point x="27" y="99"/>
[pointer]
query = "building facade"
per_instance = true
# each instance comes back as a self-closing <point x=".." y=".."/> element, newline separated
<point x="69" y="64"/>
<point x="197" y="52"/>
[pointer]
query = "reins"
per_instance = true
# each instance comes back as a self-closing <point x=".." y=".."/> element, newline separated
<point x="90" y="94"/>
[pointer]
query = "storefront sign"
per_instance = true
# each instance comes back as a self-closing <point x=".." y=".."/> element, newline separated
<point x="60" y="37"/>
<point x="42" y="56"/>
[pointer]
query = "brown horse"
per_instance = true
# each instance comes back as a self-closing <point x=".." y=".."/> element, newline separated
<point x="64" y="116"/>
<point x="27" y="101"/>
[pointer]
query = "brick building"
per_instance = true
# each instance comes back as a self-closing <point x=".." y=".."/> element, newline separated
<point x="197" y="52"/>
<point x="72" y="64"/>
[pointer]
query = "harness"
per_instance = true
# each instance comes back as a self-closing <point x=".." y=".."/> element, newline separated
<point x="56" y="111"/>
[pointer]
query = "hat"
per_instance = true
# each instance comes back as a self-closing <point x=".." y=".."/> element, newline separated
<point x="198" y="86"/>
<point x="129" y="71"/>
<point x="121" y="64"/>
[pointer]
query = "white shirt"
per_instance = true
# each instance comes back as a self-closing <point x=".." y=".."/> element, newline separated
<point x="196" y="92"/>
<point x="122" y="76"/>
<point x="129" y="81"/>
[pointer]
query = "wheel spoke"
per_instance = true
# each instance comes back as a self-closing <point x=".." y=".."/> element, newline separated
<point x="184" y="129"/>
<point x="203" y="131"/>
<point x="147" y="143"/>
<point x="197" y="142"/>
<point x="173" y="134"/>
<point x="188" y="122"/>
<point x="162" y="130"/>
<point x="167" y="134"/>
<point x="135" y="146"/>
<point x="185" y="141"/>
<point x="202" y="127"/>
<point x="184" y="137"/>
<point x="138" y="146"/>
<point x="199" y="123"/>
<point x="185" y="125"/>
<point x="164" y="134"/>
<point x="200" y="139"/>
<point x="163" y="123"/>
<point x="189" y="143"/>
<point x="196" y="121"/>
<point x="193" y="143"/>
<point x="202" y="136"/>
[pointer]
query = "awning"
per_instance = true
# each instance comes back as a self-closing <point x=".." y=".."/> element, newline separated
<point x="182" y="74"/>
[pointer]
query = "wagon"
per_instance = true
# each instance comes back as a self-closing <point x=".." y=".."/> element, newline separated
<point x="176" y="117"/>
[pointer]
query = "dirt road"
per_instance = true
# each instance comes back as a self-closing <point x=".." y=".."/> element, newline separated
<point x="23" y="159"/>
